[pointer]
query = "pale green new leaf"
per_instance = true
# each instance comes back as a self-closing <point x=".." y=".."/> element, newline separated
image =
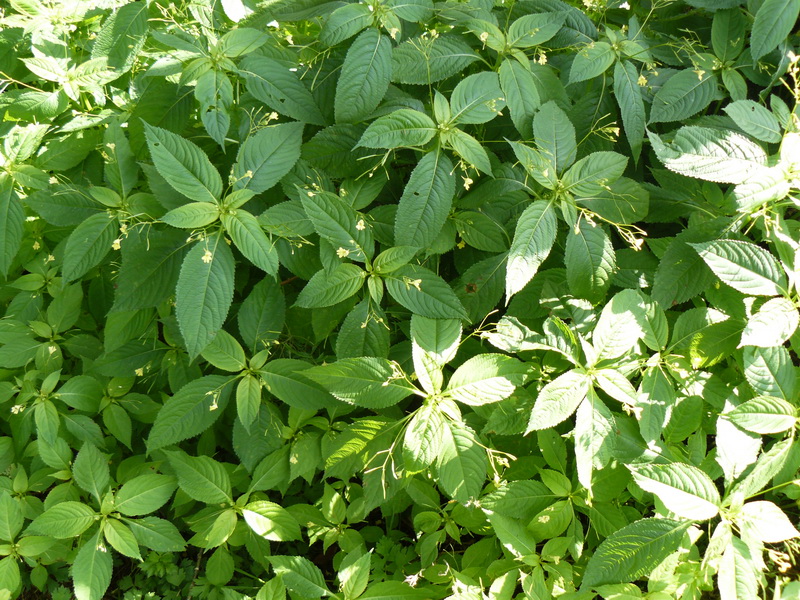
<point x="403" y="127"/>
<point x="744" y="266"/>
<point x="685" y="490"/>
<point x="486" y="378"/>
<point x="183" y="165"/>
<point x="590" y="261"/>
<point x="769" y="371"/>
<point x="194" y="215"/>
<point x="535" y="29"/>
<point x="266" y="156"/>
<point x="558" y="400"/>
<point x="594" y="428"/>
<point x="423" y="438"/>
<point x="11" y="518"/>
<point x="738" y="576"/>
<point x="469" y="149"/>
<point x="201" y="477"/>
<point x="768" y="522"/>
<point x="593" y="174"/>
<point x="426" y="201"/>
<point x="763" y="415"/>
<point x="121" y="538"/>
<point x="204" y="292"/>
<point x="620" y="326"/>
<point x="191" y="411"/>
<point x="157" y="534"/>
<point x="367" y="381"/>
<point x="271" y="521"/>
<point x="434" y="343"/>
<point x="365" y="77"/>
<point x="534" y="237"/>
<point x="633" y="551"/>
<point x="91" y="571"/>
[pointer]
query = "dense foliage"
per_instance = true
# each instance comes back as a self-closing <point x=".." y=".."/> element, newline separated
<point x="391" y="299"/>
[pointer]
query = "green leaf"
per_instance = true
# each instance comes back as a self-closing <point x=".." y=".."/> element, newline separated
<point x="593" y="174"/>
<point x="772" y="325"/>
<point x="469" y="149"/>
<point x="368" y="382"/>
<point x="403" y="127"/>
<point x="300" y="575"/>
<point x="285" y="380"/>
<point x="183" y="165"/>
<point x="683" y="95"/>
<point x="90" y="470"/>
<point x="266" y="156"/>
<point x="250" y="239"/>
<point x="64" y="520"/>
<point x="744" y="266"/>
<point x="345" y="22"/>
<point x="558" y="400"/>
<point x="591" y="61"/>
<point x="416" y="11"/>
<point x="88" y="245"/>
<point x="774" y="21"/>
<point x="631" y="106"/>
<point x="280" y="89"/>
<point x="11" y="518"/>
<point x="201" y="477"/>
<point x="590" y="261"/>
<point x="685" y="490"/>
<point x="728" y="31"/>
<point x="365" y="77"/>
<point x="91" y="571"/>
<point x="769" y="371"/>
<point x="621" y="325"/>
<point x="194" y="215"/>
<point x="486" y="378"/>
<point x="718" y="155"/>
<point x="157" y="534"/>
<point x="272" y="472"/>
<point x="338" y="223"/>
<point x="426" y="60"/>
<point x="204" y="292"/>
<point x="261" y="315"/>
<point x="121" y="538"/>
<point x="423" y="438"/>
<point x="657" y="399"/>
<point x="191" y="411"/>
<point x="329" y="288"/>
<point x="738" y="576"/>
<point x="769" y="523"/>
<point x="122" y="37"/>
<point x="763" y="415"/>
<point x="241" y="41"/>
<point x="555" y="135"/>
<point x="534" y="30"/>
<point x="755" y="120"/>
<point x="248" y="400"/>
<point x="426" y="201"/>
<point x="144" y="494"/>
<point x="434" y="343"/>
<point x="12" y="219"/>
<point x="271" y="521"/>
<point x="353" y="573"/>
<point x="521" y="94"/>
<point x="594" y="428"/>
<point x="633" y="551"/>
<point x="424" y="293"/>
<point x="476" y="99"/>
<point x="225" y="352"/>
<point x="363" y="333"/>
<point x="461" y="464"/>
<point x="513" y="534"/>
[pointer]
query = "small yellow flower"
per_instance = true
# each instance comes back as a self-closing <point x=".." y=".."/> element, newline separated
<point x="342" y="252"/>
<point x="115" y="245"/>
<point x="542" y="60"/>
<point x="36" y="245"/>
<point x="140" y="372"/>
<point x="207" y="257"/>
<point x="642" y="81"/>
<point x="467" y="182"/>
<point x="393" y="32"/>
<point x="700" y="74"/>
<point x="361" y="226"/>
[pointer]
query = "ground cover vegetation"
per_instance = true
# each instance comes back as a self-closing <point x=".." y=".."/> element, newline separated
<point x="399" y="299"/>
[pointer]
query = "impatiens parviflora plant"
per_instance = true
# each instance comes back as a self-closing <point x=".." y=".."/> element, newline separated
<point x="470" y="300"/>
